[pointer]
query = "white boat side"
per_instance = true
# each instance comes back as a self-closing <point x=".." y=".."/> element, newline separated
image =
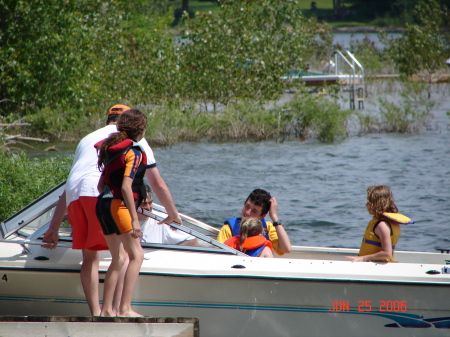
<point x="313" y="291"/>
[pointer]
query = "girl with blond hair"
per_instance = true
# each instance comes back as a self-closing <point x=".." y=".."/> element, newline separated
<point x="251" y="241"/>
<point x="383" y="231"/>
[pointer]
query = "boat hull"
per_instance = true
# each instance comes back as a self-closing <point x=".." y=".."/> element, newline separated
<point x="244" y="305"/>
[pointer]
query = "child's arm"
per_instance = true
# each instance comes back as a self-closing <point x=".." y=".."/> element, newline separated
<point x="127" y="194"/>
<point x="384" y="233"/>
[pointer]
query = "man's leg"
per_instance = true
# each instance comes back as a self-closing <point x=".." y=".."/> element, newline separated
<point x="89" y="279"/>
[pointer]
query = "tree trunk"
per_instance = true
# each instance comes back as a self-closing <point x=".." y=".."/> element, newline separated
<point x="185" y="5"/>
<point x="336" y="7"/>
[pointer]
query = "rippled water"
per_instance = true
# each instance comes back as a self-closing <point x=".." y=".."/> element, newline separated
<point x="321" y="188"/>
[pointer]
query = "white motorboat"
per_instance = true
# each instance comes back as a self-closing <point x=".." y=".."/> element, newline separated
<point x="313" y="291"/>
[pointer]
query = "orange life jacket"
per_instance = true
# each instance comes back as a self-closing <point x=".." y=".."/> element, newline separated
<point x="252" y="246"/>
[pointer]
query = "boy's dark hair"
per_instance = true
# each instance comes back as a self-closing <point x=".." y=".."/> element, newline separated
<point x="148" y="189"/>
<point x="261" y="198"/>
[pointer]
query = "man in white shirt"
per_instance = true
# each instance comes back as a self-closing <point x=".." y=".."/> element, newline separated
<point x="152" y="232"/>
<point x="79" y="200"/>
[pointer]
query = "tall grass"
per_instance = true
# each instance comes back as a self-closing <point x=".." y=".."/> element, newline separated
<point x="304" y="116"/>
<point x="409" y="112"/>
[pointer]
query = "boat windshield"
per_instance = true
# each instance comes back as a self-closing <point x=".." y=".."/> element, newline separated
<point x="34" y="217"/>
<point x="32" y="221"/>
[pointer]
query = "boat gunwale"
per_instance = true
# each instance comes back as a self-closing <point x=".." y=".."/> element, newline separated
<point x="234" y="276"/>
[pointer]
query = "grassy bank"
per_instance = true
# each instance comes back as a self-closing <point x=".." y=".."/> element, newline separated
<point x="24" y="179"/>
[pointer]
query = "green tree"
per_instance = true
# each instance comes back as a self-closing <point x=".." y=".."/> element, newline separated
<point x="49" y="49"/>
<point x="396" y="11"/>
<point x="423" y="47"/>
<point x="242" y="52"/>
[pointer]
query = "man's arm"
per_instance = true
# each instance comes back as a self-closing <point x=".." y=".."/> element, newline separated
<point x="51" y="236"/>
<point x="162" y="191"/>
<point x="284" y="244"/>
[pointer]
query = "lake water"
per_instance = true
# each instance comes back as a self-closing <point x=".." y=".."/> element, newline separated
<point x="347" y="39"/>
<point x="321" y="188"/>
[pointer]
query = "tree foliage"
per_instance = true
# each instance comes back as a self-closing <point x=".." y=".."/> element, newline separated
<point x="50" y="49"/>
<point x="386" y="12"/>
<point x="423" y="47"/>
<point x="242" y="52"/>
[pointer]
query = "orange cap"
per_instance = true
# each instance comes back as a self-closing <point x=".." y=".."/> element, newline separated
<point x="118" y="109"/>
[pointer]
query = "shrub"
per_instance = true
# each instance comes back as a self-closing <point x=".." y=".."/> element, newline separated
<point x="315" y="116"/>
<point x="22" y="179"/>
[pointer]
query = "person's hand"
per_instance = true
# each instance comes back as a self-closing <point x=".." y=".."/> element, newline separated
<point x="273" y="209"/>
<point x="170" y="220"/>
<point x="356" y="258"/>
<point x="51" y="239"/>
<point x="136" y="233"/>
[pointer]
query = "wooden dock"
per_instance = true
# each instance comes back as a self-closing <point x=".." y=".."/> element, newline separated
<point x="80" y="326"/>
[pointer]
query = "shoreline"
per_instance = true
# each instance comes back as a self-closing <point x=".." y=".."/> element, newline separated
<point x="367" y="29"/>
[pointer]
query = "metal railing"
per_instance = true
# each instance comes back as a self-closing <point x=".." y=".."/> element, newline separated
<point x="356" y="76"/>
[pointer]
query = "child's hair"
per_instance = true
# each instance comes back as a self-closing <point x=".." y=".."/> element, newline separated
<point x="249" y="227"/>
<point x="131" y="124"/>
<point x="381" y="200"/>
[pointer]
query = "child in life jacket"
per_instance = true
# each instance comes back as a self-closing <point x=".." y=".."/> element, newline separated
<point x="123" y="164"/>
<point x="251" y="241"/>
<point x="383" y="231"/>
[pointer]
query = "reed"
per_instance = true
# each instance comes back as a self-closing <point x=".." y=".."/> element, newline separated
<point x="401" y="107"/>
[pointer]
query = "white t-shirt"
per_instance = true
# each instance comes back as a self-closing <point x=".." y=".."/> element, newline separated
<point x="84" y="174"/>
<point x="164" y="234"/>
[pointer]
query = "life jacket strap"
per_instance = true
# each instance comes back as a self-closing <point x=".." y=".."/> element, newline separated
<point x="375" y="243"/>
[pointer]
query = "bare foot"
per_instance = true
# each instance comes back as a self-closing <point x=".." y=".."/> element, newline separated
<point x="107" y="314"/>
<point x="130" y="313"/>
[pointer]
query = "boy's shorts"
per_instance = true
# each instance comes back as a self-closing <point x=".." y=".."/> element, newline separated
<point x="86" y="230"/>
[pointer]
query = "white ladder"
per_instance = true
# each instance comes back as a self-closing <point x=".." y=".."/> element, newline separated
<point x="355" y="78"/>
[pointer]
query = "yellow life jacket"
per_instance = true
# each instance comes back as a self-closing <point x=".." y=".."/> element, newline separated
<point x="371" y="243"/>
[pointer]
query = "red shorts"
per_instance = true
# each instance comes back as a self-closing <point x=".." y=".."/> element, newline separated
<point x="86" y="230"/>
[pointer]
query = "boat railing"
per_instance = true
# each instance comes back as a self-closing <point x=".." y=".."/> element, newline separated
<point x="157" y="215"/>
